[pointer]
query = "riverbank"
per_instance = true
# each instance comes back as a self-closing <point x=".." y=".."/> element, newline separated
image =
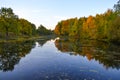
<point x="27" y="38"/>
<point x="114" y="42"/>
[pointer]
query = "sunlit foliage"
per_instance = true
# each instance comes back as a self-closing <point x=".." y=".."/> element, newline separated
<point x="11" y="26"/>
<point x="97" y="27"/>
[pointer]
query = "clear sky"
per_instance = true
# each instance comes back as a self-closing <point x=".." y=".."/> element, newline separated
<point x="50" y="12"/>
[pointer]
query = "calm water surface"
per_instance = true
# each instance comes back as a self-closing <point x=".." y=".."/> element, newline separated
<point x="59" y="59"/>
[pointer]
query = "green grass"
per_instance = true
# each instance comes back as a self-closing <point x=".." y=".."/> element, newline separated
<point x="25" y="38"/>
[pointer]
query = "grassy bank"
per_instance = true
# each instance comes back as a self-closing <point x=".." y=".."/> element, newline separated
<point x="27" y="38"/>
<point x="19" y="39"/>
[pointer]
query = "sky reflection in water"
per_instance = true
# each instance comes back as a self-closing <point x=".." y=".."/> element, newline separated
<point x="59" y="60"/>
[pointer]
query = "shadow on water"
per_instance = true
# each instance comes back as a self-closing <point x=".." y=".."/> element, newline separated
<point x="104" y="53"/>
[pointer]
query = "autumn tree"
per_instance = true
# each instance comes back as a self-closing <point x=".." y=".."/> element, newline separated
<point x="89" y="27"/>
<point x="92" y="27"/>
<point x="57" y="29"/>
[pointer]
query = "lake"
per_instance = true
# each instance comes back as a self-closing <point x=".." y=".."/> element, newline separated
<point x="59" y="59"/>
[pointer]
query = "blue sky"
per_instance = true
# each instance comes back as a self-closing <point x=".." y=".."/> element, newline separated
<point x="50" y="12"/>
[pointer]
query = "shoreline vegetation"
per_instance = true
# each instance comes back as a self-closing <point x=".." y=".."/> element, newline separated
<point x="102" y="27"/>
<point x="27" y="38"/>
<point x="13" y="28"/>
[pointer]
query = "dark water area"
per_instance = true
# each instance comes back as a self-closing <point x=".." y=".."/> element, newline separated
<point x="59" y="59"/>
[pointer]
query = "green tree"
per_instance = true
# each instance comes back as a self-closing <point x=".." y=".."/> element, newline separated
<point x="25" y="27"/>
<point x="117" y="7"/>
<point x="74" y="30"/>
<point x="34" y="32"/>
<point x="115" y="30"/>
<point x="8" y="18"/>
<point x="43" y="31"/>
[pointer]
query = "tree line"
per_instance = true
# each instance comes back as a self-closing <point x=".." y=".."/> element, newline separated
<point x="104" y="26"/>
<point x="12" y="26"/>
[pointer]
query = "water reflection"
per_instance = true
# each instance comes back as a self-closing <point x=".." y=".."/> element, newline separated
<point x="44" y="61"/>
<point x="42" y="41"/>
<point x="12" y="52"/>
<point x="106" y="54"/>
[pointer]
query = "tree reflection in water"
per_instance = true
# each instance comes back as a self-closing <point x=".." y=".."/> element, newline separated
<point x="12" y="52"/>
<point x="106" y="54"/>
<point x="42" y="41"/>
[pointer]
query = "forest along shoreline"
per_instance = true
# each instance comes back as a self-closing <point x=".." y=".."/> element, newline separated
<point x="102" y="27"/>
<point x="14" y="28"/>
